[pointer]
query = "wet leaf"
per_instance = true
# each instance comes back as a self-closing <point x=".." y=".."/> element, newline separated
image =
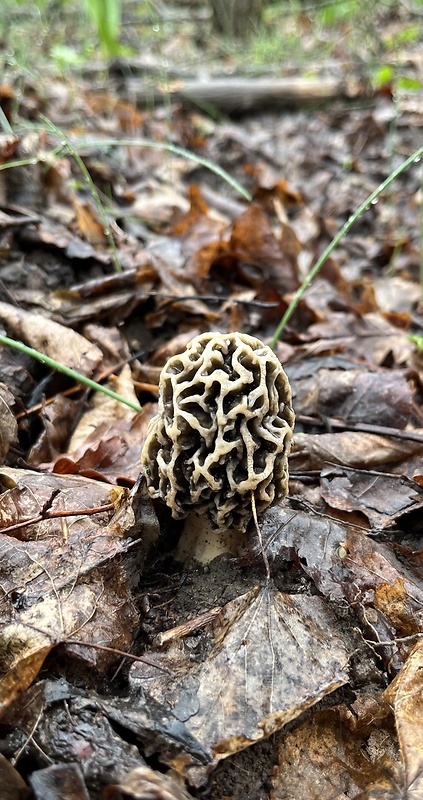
<point x="354" y="449"/>
<point x="13" y="786"/>
<point x="111" y="452"/>
<point x="89" y="224"/>
<point x="52" y="339"/>
<point x="73" y="729"/>
<point x="22" y="651"/>
<point x="52" y="783"/>
<point x="57" y="418"/>
<point x="274" y="656"/>
<point x="345" y="564"/>
<point x="378" y="398"/>
<point x="383" y="499"/>
<point x="144" y="783"/>
<point x="253" y="242"/>
<point x="70" y="577"/>
<point x="323" y="757"/>
<point x="8" y="428"/>
<point x="405" y="694"/>
<point x="371" y="337"/>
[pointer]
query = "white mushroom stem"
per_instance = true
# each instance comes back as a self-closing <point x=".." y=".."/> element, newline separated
<point x="201" y="542"/>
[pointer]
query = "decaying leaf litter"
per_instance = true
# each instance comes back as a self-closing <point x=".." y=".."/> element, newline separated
<point x="304" y="685"/>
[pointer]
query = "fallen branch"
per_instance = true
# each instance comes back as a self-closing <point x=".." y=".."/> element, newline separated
<point x="235" y="95"/>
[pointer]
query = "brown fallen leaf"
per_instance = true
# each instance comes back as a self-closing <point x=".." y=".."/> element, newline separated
<point x="283" y="190"/>
<point x="381" y="498"/>
<point x="354" y="449"/>
<point x="57" y="418"/>
<point x="66" y="721"/>
<point x="385" y="591"/>
<point x="106" y="442"/>
<point x="13" y="785"/>
<point x="372" y="337"/>
<point x="198" y="209"/>
<point x="59" y="781"/>
<point x="157" y="204"/>
<point x="72" y="572"/>
<point x="52" y="339"/>
<point x="381" y="398"/>
<point x="394" y="293"/>
<point x="8" y="428"/>
<point x="111" y="452"/>
<point x="144" y="783"/>
<point x="405" y="694"/>
<point x="274" y="656"/>
<point x="115" y="298"/>
<point x="23" y="651"/>
<point x="51" y="234"/>
<point x="323" y="758"/>
<point x="253" y="242"/>
<point x="88" y="222"/>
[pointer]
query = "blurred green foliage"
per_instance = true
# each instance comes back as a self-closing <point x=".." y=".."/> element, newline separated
<point x="292" y="34"/>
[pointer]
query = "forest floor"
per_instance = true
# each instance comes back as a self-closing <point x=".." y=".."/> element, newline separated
<point x="114" y="254"/>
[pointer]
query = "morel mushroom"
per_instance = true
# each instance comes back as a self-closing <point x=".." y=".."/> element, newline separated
<point x="223" y="430"/>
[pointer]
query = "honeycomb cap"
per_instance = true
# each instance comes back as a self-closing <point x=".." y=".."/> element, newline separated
<point x="223" y="430"/>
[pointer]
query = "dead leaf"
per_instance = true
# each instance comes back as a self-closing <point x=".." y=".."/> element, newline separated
<point x="144" y="783"/>
<point x="51" y="234"/>
<point x="274" y="656"/>
<point x="322" y="758"/>
<point x="111" y="451"/>
<point x="74" y="581"/>
<point x="396" y="294"/>
<point x="374" y="338"/>
<point x="57" y="418"/>
<point x="13" y="786"/>
<point x="157" y="204"/>
<point x="253" y="242"/>
<point x="382" y="398"/>
<point x="88" y="222"/>
<point x="59" y="781"/>
<point x="23" y="650"/>
<point x="56" y="717"/>
<point x="198" y="209"/>
<point x="383" y="499"/>
<point x="283" y="190"/>
<point x="345" y="564"/>
<point x="8" y="428"/>
<point x="355" y="450"/>
<point x="405" y="694"/>
<point x="52" y="339"/>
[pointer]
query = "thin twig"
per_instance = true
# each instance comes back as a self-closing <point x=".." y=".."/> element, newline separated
<point x="83" y="512"/>
<point x="103" y="647"/>
<point x="363" y="427"/>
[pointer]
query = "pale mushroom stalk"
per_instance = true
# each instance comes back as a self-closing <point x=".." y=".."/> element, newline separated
<point x="221" y="438"/>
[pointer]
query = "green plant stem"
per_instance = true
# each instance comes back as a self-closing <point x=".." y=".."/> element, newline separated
<point x="421" y="233"/>
<point x="93" y="190"/>
<point x="345" y="228"/>
<point x="418" y="340"/>
<point x="71" y="373"/>
<point x="171" y="148"/>
<point x="5" y="124"/>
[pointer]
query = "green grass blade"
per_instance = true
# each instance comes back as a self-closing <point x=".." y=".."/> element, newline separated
<point x="92" y="188"/>
<point x="326" y="253"/>
<point x="71" y="373"/>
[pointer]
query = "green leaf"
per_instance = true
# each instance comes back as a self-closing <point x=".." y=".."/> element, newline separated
<point x="418" y="340"/>
<point x="382" y="76"/>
